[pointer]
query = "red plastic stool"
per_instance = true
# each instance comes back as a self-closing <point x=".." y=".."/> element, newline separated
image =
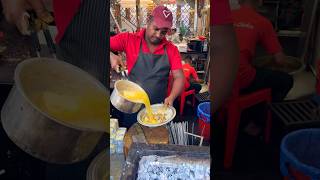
<point x="183" y="99"/>
<point x="204" y="129"/>
<point x="297" y="175"/>
<point x="233" y="109"/>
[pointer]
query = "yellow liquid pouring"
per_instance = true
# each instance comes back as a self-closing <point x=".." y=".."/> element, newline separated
<point x="140" y="96"/>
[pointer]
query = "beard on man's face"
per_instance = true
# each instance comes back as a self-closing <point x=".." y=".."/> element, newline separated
<point x="155" y="41"/>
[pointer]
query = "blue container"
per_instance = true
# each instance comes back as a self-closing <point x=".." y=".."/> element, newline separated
<point x="301" y="151"/>
<point x="203" y="111"/>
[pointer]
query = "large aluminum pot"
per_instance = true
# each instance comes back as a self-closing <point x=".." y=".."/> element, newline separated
<point x="36" y="131"/>
<point x="119" y="102"/>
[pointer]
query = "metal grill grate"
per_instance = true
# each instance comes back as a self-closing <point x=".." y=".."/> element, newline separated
<point x="297" y="112"/>
<point x="201" y="97"/>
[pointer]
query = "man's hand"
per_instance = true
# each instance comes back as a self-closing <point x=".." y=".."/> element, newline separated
<point x="177" y="86"/>
<point x="280" y="58"/>
<point x="115" y="61"/>
<point x="169" y="101"/>
<point x="15" y="12"/>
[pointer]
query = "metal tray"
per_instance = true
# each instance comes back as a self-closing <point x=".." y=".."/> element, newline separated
<point x="130" y="170"/>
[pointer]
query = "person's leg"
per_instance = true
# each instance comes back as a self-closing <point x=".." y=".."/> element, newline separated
<point x="279" y="82"/>
<point x="197" y="87"/>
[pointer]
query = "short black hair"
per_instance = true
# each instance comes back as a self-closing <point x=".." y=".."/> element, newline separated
<point x="187" y="58"/>
<point x="112" y="33"/>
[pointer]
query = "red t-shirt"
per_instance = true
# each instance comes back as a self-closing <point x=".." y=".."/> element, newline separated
<point x="252" y="28"/>
<point x="64" y="11"/>
<point x="130" y="44"/>
<point x="220" y="12"/>
<point x="189" y="71"/>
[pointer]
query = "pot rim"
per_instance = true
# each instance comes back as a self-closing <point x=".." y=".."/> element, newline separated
<point x="130" y="82"/>
<point x="17" y="83"/>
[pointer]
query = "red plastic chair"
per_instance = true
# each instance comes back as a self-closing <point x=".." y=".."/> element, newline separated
<point x="233" y="108"/>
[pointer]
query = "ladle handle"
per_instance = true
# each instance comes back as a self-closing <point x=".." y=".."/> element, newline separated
<point x="123" y="72"/>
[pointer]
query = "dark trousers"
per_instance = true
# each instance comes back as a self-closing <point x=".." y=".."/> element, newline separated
<point x="279" y="82"/>
<point x="195" y="86"/>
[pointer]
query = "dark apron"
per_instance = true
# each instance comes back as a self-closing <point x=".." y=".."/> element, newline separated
<point x="151" y="72"/>
<point x="84" y="44"/>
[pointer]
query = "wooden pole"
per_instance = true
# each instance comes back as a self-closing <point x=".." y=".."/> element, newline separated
<point x="128" y="14"/>
<point x="117" y="14"/>
<point x="137" y="14"/>
<point x="178" y="15"/>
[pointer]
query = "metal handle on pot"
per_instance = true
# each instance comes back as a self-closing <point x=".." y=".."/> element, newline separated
<point x="123" y="72"/>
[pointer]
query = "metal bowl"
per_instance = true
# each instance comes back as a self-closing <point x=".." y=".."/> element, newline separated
<point x="170" y="113"/>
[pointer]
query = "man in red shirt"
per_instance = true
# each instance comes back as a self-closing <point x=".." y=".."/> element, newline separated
<point x="150" y="57"/>
<point x="188" y="71"/>
<point x="252" y="28"/>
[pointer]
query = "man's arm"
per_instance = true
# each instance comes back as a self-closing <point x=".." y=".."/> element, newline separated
<point x="15" y="12"/>
<point x="115" y="61"/>
<point x="194" y="74"/>
<point x="269" y="40"/>
<point x="280" y="58"/>
<point x="177" y="86"/>
<point x="224" y="55"/>
<point x="117" y="43"/>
